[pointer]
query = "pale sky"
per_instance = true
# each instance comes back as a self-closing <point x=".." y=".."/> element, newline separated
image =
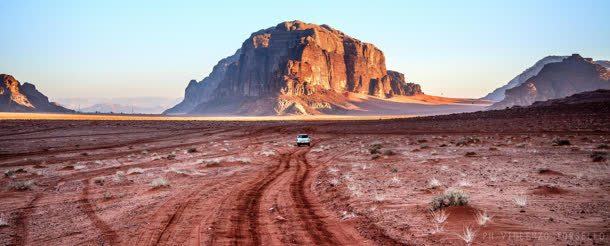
<point x="153" y="48"/>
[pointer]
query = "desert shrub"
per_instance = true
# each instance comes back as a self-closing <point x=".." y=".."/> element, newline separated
<point x="13" y="173"/>
<point x="268" y="152"/>
<point x="434" y="183"/>
<point x="520" y="200"/>
<point x="451" y="197"/>
<point x="602" y="146"/>
<point x="389" y="152"/>
<point x="192" y="150"/>
<point x="375" y="157"/>
<point x="598" y="156"/>
<point x="3" y="220"/>
<point x="561" y="142"/>
<point x="242" y="160"/>
<point x="467" y="141"/>
<point x="119" y="175"/>
<point x="21" y="185"/>
<point x="375" y="149"/>
<point x="470" y="154"/>
<point x="99" y="180"/>
<point x="107" y="195"/>
<point x="334" y="182"/>
<point x="10" y="173"/>
<point x="159" y="182"/>
<point x="171" y="157"/>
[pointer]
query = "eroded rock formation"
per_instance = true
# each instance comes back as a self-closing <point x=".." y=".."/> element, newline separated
<point x="15" y="97"/>
<point x="573" y="75"/>
<point x="294" y="67"/>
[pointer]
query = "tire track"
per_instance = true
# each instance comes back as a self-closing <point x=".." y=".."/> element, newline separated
<point x="236" y="223"/>
<point x="178" y="220"/>
<point x="108" y="233"/>
<point x="314" y="225"/>
<point x="247" y="224"/>
<point x="21" y="231"/>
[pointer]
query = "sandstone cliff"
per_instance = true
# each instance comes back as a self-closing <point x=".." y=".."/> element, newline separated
<point x="15" y="97"/>
<point x="294" y="68"/>
<point x="572" y="75"/>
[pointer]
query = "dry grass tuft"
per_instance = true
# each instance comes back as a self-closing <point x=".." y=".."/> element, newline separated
<point x="434" y="183"/>
<point x="482" y="218"/>
<point x="468" y="235"/>
<point x="135" y="170"/>
<point x="4" y="220"/>
<point x="159" y="182"/>
<point x="520" y="200"/>
<point x="21" y="185"/>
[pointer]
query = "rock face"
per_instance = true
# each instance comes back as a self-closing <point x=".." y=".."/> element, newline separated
<point x="294" y="67"/>
<point x="498" y="94"/>
<point x="596" y="96"/>
<point x="572" y="75"/>
<point x="15" y="97"/>
<point x="605" y="64"/>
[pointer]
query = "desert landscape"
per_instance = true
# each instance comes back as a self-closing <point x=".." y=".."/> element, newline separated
<point x="304" y="123"/>
<point x="535" y="175"/>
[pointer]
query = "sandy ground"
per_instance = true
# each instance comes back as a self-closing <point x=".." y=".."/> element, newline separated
<point x="90" y="182"/>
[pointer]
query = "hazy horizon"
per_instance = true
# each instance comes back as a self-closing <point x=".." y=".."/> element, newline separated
<point x="114" y="49"/>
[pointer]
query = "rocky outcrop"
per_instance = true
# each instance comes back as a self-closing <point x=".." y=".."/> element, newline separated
<point x="202" y="91"/>
<point x="15" y="97"/>
<point x="572" y="75"/>
<point x="604" y="63"/>
<point x="498" y="94"/>
<point x="280" y="68"/>
<point x="597" y="96"/>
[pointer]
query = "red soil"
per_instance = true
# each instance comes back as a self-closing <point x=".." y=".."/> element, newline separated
<point x="334" y="193"/>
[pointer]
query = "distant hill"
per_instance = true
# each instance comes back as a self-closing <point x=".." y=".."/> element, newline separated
<point x="15" y="97"/>
<point x="498" y="94"/>
<point x="126" y="105"/>
<point x="572" y="75"/>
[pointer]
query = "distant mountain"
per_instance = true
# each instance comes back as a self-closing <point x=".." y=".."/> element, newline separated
<point x="126" y="105"/>
<point x="15" y="97"/>
<point x="294" y="68"/>
<point x="498" y="94"/>
<point x="572" y="75"/>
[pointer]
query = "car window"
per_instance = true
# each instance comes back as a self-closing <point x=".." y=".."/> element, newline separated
<point x="302" y="136"/>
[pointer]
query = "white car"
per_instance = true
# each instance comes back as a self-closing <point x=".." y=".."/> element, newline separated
<point x="303" y="139"/>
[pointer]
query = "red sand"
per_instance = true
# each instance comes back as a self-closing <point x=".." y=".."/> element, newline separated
<point x="333" y="193"/>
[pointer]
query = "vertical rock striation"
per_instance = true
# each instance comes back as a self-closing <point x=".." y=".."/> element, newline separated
<point x="306" y="65"/>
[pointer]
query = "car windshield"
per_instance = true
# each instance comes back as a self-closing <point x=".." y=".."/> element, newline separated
<point x="302" y="136"/>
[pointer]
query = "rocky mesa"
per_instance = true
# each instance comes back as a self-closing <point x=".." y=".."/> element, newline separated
<point x="572" y="75"/>
<point x="15" y="97"/>
<point x="294" y="68"/>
